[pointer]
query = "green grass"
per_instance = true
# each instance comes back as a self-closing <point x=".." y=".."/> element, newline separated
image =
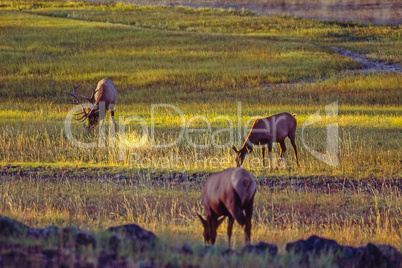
<point x="204" y="62"/>
<point x="148" y="58"/>
<point x="270" y="49"/>
<point x="44" y="55"/>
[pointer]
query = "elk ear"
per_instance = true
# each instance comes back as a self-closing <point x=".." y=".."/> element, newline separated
<point x="234" y="149"/>
<point x="204" y="222"/>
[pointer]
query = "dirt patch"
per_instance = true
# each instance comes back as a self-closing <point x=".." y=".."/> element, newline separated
<point x="328" y="184"/>
<point x="370" y="65"/>
<point x="196" y="180"/>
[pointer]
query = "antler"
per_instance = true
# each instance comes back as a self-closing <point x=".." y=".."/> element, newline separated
<point x="74" y="94"/>
<point x="92" y="98"/>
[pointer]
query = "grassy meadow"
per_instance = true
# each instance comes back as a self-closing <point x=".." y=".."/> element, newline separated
<point x="372" y="11"/>
<point x="218" y="70"/>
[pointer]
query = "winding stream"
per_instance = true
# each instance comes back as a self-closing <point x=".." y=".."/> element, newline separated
<point x="370" y="65"/>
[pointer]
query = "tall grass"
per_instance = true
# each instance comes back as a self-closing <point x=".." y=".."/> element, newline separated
<point x="95" y="201"/>
<point x="368" y="139"/>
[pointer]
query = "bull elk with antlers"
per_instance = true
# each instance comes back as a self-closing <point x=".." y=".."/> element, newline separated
<point x="229" y="193"/>
<point x="105" y="92"/>
<point x="267" y="130"/>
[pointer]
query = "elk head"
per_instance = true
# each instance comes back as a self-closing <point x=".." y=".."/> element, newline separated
<point x="210" y="227"/>
<point x="241" y="154"/>
<point x="92" y="115"/>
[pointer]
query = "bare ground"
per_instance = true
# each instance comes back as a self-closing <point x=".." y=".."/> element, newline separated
<point x="196" y="180"/>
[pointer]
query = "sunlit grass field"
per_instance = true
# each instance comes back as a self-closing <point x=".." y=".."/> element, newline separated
<point x="368" y="138"/>
<point x="220" y="67"/>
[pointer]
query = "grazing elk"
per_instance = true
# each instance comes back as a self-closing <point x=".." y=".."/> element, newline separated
<point x="265" y="131"/>
<point x="105" y="93"/>
<point x="228" y="193"/>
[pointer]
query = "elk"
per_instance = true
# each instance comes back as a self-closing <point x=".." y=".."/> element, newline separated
<point x="228" y="193"/>
<point x="267" y="130"/>
<point x="105" y="93"/>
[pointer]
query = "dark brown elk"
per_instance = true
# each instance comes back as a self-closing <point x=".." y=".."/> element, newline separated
<point x="104" y="94"/>
<point x="229" y="193"/>
<point x="267" y="130"/>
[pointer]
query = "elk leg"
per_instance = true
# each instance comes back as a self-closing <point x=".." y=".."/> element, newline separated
<point x="230" y="228"/>
<point x="270" y="155"/>
<point x="283" y="148"/>
<point x="263" y="156"/>
<point x="114" y="121"/>
<point x="235" y="209"/>
<point x="102" y="134"/>
<point x="295" y="151"/>
<point x="102" y="130"/>
<point x="283" y="151"/>
<point x="249" y="215"/>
